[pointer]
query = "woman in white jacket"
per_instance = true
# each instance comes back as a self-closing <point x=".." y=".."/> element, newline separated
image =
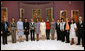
<point x="43" y="29"/>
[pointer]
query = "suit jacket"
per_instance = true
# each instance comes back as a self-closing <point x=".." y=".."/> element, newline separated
<point x="5" y="31"/>
<point x="26" y="25"/>
<point x="3" y="25"/>
<point x="58" y="27"/>
<point x="80" y="31"/>
<point x="32" y="26"/>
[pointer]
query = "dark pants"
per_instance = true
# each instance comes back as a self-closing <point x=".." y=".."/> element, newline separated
<point x="67" y="36"/>
<point x="81" y="36"/>
<point x="4" y="37"/>
<point x="79" y="39"/>
<point x="48" y="34"/>
<point x="32" y="34"/>
<point x="13" y="33"/>
<point x="63" y="36"/>
<point x="58" y="35"/>
<point x="82" y="40"/>
<point x="26" y="37"/>
<point x="26" y="34"/>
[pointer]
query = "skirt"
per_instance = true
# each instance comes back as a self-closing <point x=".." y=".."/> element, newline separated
<point x="52" y="31"/>
<point x="72" y="34"/>
<point x="20" y="33"/>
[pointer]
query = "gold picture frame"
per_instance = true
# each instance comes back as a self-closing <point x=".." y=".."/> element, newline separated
<point x="49" y="13"/>
<point x="4" y="13"/>
<point x="74" y="15"/>
<point x="22" y="13"/>
<point x="63" y="14"/>
<point x="36" y="14"/>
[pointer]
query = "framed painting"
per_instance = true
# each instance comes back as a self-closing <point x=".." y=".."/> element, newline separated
<point x="36" y="13"/>
<point x="49" y="13"/>
<point x="63" y="14"/>
<point x="22" y="13"/>
<point x="4" y="13"/>
<point x="74" y="15"/>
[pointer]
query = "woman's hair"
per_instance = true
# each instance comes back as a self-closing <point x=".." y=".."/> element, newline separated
<point x="42" y="19"/>
<point x="25" y="18"/>
<point x="73" y="21"/>
<point x="37" y="19"/>
<point x="20" y="18"/>
<point x="47" y="19"/>
<point x="13" y="18"/>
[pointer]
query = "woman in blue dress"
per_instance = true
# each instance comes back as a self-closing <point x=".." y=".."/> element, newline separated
<point x="20" y="29"/>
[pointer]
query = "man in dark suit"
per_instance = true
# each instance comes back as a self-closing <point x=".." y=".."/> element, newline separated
<point x="5" y="31"/>
<point x="32" y="30"/>
<point x="26" y="28"/>
<point x="58" y="30"/>
<point x="67" y="29"/>
<point x="80" y="34"/>
<point x="62" y="29"/>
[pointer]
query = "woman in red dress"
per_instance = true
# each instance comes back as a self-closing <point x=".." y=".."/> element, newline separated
<point x="48" y="29"/>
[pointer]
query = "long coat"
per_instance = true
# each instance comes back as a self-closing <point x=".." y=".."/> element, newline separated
<point x="43" y="28"/>
<point x="37" y="28"/>
<point x="53" y="26"/>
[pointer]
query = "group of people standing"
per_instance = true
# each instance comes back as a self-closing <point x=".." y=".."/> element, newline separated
<point x="68" y="29"/>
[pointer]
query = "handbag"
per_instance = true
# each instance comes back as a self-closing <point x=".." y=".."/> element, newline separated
<point x="8" y="33"/>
